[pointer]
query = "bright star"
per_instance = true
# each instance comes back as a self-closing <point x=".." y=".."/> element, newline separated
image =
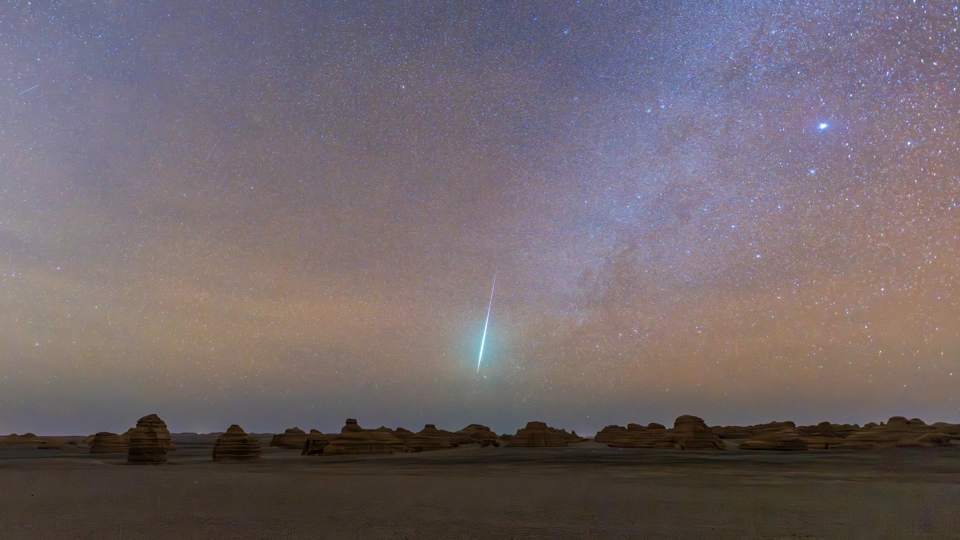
<point x="822" y="126"/>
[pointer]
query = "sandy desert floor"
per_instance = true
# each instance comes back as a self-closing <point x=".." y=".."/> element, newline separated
<point x="584" y="491"/>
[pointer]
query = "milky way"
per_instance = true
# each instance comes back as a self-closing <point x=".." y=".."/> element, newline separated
<point x="276" y="216"/>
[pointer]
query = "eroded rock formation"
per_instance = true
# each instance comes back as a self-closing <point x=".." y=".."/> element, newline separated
<point x="105" y="442"/>
<point x="431" y="438"/>
<point x="149" y="441"/>
<point x="784" y="440"/>
<point x="478" y="434"/>
<point x="236" y="445"/>
<point x="539" y="435"/>
<point x="355" y="440"/>
<point x="292" y="439"/>
<point x="315" y="443"/>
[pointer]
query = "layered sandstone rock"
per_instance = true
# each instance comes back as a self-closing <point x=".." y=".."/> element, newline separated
<point x="477" y="434"/>
<point x="691" y="433"/>
<point x="15" y="440"/>
<point x="539" y="435"/>
<point x="952" y="430"/>
<point x="403" y="434"/>
<point x="292" y="439"/>
<point x="898" y="431"/>
<point x="636" y="436"/>
<point x="355" y="440"/>
<point x="430" y="438"/>
<point x="929" y="440"/>
<point x="149" y="441"/>
<point x="315" y="443"/>
<point x="236" y="445"/>
<point x="732" y="432"/>
<point x="609" y="434"/>
<point x="105" y="442"/>
<point x="783" y="440"/>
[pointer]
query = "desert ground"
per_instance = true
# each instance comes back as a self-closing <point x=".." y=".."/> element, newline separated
<point x="585" y="490"/>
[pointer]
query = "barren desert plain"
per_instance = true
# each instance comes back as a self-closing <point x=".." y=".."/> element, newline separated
<point x="528" y="485"/>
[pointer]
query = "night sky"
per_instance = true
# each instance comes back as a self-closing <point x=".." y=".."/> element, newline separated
<point x="240" y="212"/>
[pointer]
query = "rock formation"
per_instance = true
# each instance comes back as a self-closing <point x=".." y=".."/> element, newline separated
<point x="355" y="440"/>
<point x="539" y="435"/>
<point x="431" y="438"/>
<point x="105" y="442"/>
<point x="315" y="443"/>
<point x="292" y="439"/>
<point x="784" y="440"/>
<point x="477" y="434"/>
<point x="637" y="436"/>
<point x="236" y="445"/>
<point x="149" y="441"/>
<point x="609" y="434"/>
<point x="691" y="433"/>
<point x="898" y="431"/>
<point x="928" y="440"/>
<point x="14" y="440"/>
<point x="403" y="434"/>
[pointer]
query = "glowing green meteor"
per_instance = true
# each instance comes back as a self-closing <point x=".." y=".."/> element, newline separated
<point x="486" y="324"/>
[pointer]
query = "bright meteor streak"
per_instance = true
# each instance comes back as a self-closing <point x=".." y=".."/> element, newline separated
<point x="482" y="341"/>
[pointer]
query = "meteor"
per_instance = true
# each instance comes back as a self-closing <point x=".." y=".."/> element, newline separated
<point x="482" y="341"/>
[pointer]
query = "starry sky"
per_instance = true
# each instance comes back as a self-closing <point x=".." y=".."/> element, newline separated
<point x="290" y="213"/>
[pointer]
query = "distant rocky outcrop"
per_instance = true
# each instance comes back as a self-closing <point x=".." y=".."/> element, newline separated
<point x="15" y="440"/>
<point x="430" y="438"/>
<point x="477" y="434"/>
<point x="105" y="442"/>
<point x="236" y="445"/>
<point x="609" y="434"/>
<point x="292" y="439"/>
<point x="688" y="433"/>
<point x="355" y="440"/>
<point x="691" y="433"/>
<point x="898" y="431"/>
<point x="637" y="436"/>
<point x="539" y="435"/>
<point x="149" y="441"/>
<point x="821" y="436"/>
<point x="784" y="440"/>
<point x="928" y="440"/>
<point x="952" y="430"/>
<point x="315" y="443"/>
<point x="402" y="434"/>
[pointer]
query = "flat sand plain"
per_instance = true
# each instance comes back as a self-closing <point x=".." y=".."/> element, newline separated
<point x="586" y="490"/>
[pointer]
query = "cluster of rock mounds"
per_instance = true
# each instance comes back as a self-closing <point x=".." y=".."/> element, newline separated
<point x="353" y="439"/>
<point x="691" y="433"/>
<point x="540" y="435"/>
<point x="896" y="432"/>
<point x="688" y="433"/>
<point x="16" y="440"/>
<point x="41" y="443"/>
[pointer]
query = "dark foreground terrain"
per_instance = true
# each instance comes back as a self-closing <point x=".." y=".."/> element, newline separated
<point x="584" y="491"/>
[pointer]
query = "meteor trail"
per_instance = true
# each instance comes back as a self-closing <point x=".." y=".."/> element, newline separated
<point x="28" y="89"/>
<point x="493" y="288"/>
